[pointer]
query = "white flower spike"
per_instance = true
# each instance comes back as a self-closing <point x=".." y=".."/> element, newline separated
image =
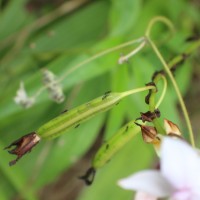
<point x="178" y="178"/>
<point x="51" y="83"/>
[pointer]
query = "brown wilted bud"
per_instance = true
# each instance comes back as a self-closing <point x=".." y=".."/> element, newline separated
<point x="171" y="128"/>
<point x="149" y="133"/>
<point x="22" y="146"/>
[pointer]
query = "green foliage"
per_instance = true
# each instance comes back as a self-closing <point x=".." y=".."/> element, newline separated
<point x="60" y="45"/>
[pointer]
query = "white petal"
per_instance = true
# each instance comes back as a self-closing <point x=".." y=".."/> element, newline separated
<point x="180" y="163"/>
<point x="144" y="196"/>
<point x="150" y="181"/>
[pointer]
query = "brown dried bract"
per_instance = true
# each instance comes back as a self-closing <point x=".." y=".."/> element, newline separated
<point x="22" y="146"/>
<point x="149" y="116"/>
<point x="149" y="133"/>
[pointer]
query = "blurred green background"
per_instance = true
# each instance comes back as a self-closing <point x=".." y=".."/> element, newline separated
<point x="57" y="35"/>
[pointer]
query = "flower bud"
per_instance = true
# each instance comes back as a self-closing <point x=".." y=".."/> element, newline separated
<point x="149" y="133"/>
<point x="171" y="128"/>
<point x="22" y="146"/>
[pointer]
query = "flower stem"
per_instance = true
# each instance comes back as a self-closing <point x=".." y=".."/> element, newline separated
<point x="125" y="58"/>
<point x="96" y="56"/>
<point x="153" y="105"/>
<point x="129" y="92"/>
<point x="182" y="104"/>
<point x="163" y="92"/>
<point x="162" y="19"/>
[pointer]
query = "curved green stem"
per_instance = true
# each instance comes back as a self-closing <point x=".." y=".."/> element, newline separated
<point x="132" y="53"/>
<point x="129" y="92"/>
<point x="153" y="105"/>
<point x="163" y="92"/>
<point x="162" y="19"/>
<point x="182" y="104"/>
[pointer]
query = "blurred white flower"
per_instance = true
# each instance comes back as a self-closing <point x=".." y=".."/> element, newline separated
<point x="22" y="98"/>
<point x="54" y="88"/>
<point x="178" y="178"/>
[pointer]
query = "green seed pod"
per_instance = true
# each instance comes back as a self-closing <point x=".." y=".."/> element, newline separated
<point x="72" y="118"/>
<point x="114" y="144"/>
<point x="109" y="149"/>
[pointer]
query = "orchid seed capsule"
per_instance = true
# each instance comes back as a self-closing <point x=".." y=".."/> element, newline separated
<point x="68" y="120"/>
<point x="74" y="117"/>
<point x="110" y="148"/>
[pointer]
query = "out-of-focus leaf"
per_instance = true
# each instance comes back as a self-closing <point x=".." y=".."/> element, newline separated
<point x="13" y="18"/>
<point x="123" y="16"/>
<point x="14" y="176"/>
<point x="6" y="190"/>
<point x="71" y="32"/>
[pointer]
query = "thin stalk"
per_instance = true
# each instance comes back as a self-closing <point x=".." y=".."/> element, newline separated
<point x="153" y="105"/>
<point x="163" y="92"/>
<point x="182" y="104"/>
<point x="91" y="59"/>
<point x="162" y="19"/>
<point x="125" y="58"/>
<point x="129" y="92"/>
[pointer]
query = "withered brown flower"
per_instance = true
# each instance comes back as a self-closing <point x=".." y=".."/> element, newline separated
<point x="23" y="145"/>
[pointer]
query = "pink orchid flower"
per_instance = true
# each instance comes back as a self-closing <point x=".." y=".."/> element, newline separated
<point x="178" y="178"/>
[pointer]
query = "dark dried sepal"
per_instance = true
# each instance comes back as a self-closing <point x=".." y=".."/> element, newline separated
<point x="149" y="116"/>
<point x="22" y="146"/>
<point x="88" y="177"/>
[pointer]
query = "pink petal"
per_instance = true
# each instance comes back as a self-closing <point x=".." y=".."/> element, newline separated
<point x="144" y="196"/>
<point x="150" y="181"/>
<point x="180" y="164"/>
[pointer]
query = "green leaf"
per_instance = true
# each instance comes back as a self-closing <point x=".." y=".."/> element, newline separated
<point x="13" y="18"/>
<point x="14" y="176"/>
<point x="123" y="16"/>
<point x="74" y="31"/>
